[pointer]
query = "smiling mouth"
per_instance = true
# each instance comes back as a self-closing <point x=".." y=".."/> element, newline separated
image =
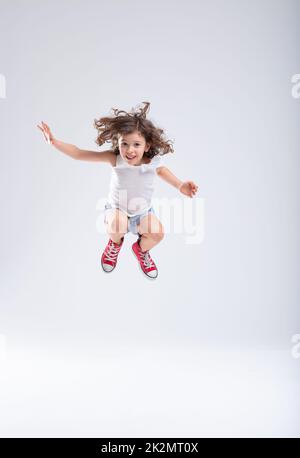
<point x="130" y="157"/>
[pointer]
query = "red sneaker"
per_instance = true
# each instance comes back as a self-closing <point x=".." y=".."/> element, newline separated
<point x="110" y="255"/>
<point x="146" y="262"/>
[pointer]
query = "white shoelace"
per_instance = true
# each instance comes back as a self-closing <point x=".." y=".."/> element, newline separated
<point x="112" y="253"/>
<point x="147" y="260"/>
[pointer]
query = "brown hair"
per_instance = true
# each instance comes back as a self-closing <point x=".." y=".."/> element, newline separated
<point x="126" y="123"/>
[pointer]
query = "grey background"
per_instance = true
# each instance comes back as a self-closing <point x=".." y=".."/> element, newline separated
<point x="206" y="349"/>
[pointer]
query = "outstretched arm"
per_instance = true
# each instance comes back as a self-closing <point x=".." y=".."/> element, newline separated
<point x="188" y="188"/>
<point x="75" y="152"/>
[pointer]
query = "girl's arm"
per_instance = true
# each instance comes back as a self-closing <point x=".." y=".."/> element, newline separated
<point x="75" y="152"/>
<point x="189" y="188"/>
<point x="85" y="155"/>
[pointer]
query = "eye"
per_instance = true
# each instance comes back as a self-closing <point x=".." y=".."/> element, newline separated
<point x="136" y="144"/>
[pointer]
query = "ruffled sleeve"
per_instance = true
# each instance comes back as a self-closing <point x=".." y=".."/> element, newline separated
<point x="157" y="161"/>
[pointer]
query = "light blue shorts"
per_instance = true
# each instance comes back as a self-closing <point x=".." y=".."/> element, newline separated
<point x="134" y="221"/>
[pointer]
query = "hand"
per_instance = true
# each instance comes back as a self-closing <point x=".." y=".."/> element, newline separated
<point x="47" y="133"/>
<point x="189" y="188"/>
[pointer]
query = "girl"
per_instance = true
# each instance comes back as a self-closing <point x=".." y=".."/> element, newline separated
<point x="135" y="158"/>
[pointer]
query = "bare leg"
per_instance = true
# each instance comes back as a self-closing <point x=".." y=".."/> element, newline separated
<point x="116" y="238"/>
<point x="116" y="225"/>
<point x="151" y="231"/>
<point x="147" y="242"/>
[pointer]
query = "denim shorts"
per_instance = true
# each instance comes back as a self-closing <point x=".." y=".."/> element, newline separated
<point x="134" y="221"/>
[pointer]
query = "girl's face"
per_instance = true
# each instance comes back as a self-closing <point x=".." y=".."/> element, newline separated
<point x="132" y="147"/>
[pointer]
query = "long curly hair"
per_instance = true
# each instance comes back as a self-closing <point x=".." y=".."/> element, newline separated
<point x="123" y="123"/>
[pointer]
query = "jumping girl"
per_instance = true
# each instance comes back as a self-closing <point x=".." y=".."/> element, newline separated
<point x="135" y="158"/>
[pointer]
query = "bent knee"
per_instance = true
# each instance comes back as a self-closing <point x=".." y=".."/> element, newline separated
<point x="157" y="236"/>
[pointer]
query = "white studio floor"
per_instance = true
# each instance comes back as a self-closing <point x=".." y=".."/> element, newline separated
<point x="163" y="391"/>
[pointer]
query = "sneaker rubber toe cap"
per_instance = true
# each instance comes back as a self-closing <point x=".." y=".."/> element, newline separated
<point x="107" y="267"/>
<point x="152" y="274"/>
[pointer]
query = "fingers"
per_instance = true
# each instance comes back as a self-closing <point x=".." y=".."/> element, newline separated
<point x="46" y="131"/>
<point x="189" y="188"/>
<point x="46" y="127"/>
<point x="43" y="127"/>
<point x="42" y="130"/>
<point x="193" y="188"/>
<point x="193" y="185"/>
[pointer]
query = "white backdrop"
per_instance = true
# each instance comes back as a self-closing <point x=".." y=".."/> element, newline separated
<point x="206" y="349"/>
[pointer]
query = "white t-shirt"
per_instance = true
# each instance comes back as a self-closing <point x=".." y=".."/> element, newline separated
<point x="131" y="186"/>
